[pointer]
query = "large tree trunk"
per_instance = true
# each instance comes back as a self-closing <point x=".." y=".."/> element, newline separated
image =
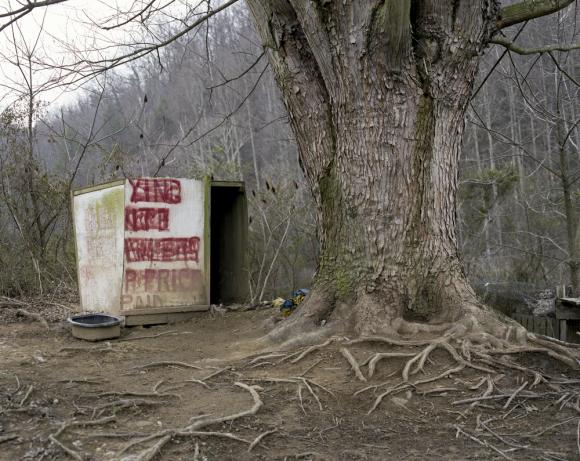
<point x="377" y="92"/>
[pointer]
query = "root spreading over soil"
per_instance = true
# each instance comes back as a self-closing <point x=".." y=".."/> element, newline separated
<point x="209" y="389"/>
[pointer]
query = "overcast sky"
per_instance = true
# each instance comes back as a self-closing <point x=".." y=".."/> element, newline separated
<point x="60" y="28"/>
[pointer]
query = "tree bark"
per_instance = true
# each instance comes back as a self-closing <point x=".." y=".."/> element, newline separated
<point x="377" y="93"/>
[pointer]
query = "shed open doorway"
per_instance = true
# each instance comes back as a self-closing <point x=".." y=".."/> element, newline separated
<point x="229" y="235"/>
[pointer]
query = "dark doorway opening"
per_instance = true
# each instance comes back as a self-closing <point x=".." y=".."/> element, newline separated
<point x="229" y="235"/>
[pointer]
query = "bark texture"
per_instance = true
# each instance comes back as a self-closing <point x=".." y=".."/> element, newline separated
<point x="377" y="92"/>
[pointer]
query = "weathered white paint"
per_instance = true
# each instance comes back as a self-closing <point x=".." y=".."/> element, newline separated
<point x="99" y="229"/>
<point x="118" y="277"/>
<point x="162" y="284"/>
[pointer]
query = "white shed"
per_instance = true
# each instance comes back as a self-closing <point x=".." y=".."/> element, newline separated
<point x="144" y="247"/>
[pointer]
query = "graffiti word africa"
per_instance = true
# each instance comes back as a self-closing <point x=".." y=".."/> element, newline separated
<point x="161" y="280"/>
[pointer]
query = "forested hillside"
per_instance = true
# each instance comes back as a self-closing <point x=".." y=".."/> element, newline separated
<point x="207" y="105"/>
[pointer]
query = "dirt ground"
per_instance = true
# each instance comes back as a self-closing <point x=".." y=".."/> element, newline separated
<point x="62" y="398"/>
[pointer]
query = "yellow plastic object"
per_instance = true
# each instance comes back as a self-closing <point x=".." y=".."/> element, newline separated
<point x="278" y="302"/>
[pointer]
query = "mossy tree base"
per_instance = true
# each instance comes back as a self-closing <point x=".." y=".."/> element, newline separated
<point x="377" y="93"/>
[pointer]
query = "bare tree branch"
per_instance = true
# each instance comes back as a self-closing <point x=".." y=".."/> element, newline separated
<point x="511" y="46"/>
<point x="529" y="9"/>
<point x="19" y="13"/>
<point x="143" y="49"/>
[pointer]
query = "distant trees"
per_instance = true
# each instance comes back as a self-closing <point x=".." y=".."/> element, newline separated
<point x="207" y="104"/>
<point x="520" y="169"/>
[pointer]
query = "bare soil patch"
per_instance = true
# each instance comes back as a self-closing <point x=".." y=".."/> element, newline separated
<point x="144" y="395"/>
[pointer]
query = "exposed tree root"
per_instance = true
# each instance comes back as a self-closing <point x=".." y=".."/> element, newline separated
<point x="311" y="349"/>
<point x="474" y="341"/>
<point x="164" y="437"/>
<point x="353" y="363"/>
<point x="412" y="351"/>
<point x="372" y="363"/>
<point x="301" y="383"/>
<point x="466" y="326"/>
<point x="7" y="438"/>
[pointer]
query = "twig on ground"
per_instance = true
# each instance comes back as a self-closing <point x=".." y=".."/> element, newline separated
<point x="72" y="453"/>
<point x="384" y="339"/>
<point x="226" y="435"/>
<point x="314" y="383"/>
<point x="114" y="435"/>
<point x="267" y="379"/>
<point x="311" y="367"/>
<point x="262" y="364"/>
<point x="578" y="437"/>
<point x="82" y="381"/>
<point x="135" y="394"/>
<point x="186" y="382"/>
<point x="73" y="423"/>
<point x="379" y="399"/>
<point x="305" y="381"/>
<point x="482" y="443"/>
<point x="7" y="438"/>
<point x="34" y="316"/>
<point x="124" y="403"/>
<point x="135" y="338"/>
<point x="216" y="373"/>
<point x="151" y="452"/>
<point x="300" y="398"/>
<point x="106" y="347"/>
<point x="501" y="396"/>
<point x="25" y="398"/>
<point x="445" y="374"/>
<point x="166" y="363"/>
<point x="488" y="391"/>
<point x="437" y="390"/>
<point x="258" y="439"/>
<point x="274" y="355"/>
<point x="513" y="396"/>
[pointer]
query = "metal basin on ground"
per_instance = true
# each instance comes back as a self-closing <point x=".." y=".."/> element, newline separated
<point x="95" y="327"/>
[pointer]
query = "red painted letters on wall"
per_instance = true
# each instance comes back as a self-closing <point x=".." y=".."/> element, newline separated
<point x="162" y="190"/>
<point x="161" y="280"/>
<point x="165" y="250"/>
<point x="146" y="219"/>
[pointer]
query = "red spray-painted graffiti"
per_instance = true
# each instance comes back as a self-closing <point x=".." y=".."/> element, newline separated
<point x="158" y="287"/>
<point x="156" y="190"/>
<point x="141" y="301"/>
<point x="164" y="250"/>
<point x="146" y="219"/>
<point x="161" y="280"/>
